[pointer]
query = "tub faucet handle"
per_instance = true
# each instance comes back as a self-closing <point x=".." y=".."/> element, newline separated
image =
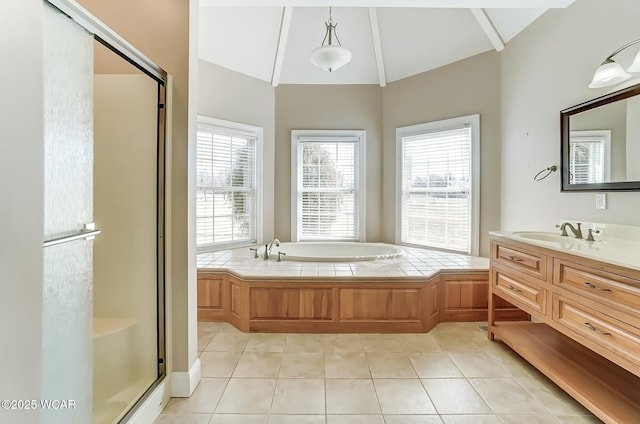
<point x="280" y="255"/>
<point x="255" y="251"/>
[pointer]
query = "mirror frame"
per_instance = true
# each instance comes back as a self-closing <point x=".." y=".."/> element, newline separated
<point x="615" y="96"/>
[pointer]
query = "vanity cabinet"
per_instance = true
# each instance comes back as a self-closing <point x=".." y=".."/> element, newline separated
<point x="585" y="333"/>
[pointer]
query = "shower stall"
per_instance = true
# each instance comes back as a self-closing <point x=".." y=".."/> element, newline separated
<point x="103" y="289"/>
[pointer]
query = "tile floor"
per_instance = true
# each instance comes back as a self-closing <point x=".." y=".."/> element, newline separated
<point x="451" y="375"/>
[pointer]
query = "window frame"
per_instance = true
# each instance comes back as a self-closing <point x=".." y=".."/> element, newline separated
<point x="360" y="173"/>
<point x="473" y="121"/>
<point x="602" y="137"/>
<point x="239" y="129"/>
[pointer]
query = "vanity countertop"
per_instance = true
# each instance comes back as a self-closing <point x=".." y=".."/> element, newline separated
<point x="624" y="252"/>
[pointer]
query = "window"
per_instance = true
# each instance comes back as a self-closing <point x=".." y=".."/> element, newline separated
<point x="589" y="157"/>
<point x="327" y="185"/>
<point x="227" y="193"/>
<point x="438" y="184"/>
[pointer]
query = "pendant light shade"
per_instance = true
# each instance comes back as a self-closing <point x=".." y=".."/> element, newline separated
<point x="611" y="72"/>
<point x="608" y="73"/>
<point x="330" y="56"/>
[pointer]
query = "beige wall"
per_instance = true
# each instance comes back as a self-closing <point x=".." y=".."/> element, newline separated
<point x="160" y="30"/>
<point x="546" y="69"/>
<point x="229" y="95"/>
<point x="463" y="88"/>
<point x="354" y="107"/>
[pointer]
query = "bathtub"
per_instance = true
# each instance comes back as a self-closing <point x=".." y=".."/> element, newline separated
<point x="335" y="251"/>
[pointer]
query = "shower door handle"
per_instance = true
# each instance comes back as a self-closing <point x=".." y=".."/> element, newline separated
<point x="89" y="232"/>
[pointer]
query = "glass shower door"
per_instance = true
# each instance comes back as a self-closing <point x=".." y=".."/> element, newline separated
<point x="68" y="204"/>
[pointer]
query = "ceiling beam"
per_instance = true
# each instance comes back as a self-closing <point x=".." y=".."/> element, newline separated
<point x="285" y="24"/>
<point x="488" y="28"/>
<point x="466" y="4"/>
<point x="377" y="45"/>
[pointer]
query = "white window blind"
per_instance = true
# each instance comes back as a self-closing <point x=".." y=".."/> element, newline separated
<point x="226" y="181"/>
<point x="436" y="186"/>
<point x="589" y="156"/>
<point x="327" y="195"/>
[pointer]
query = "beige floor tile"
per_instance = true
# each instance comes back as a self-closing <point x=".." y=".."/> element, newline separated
<point x="454" y="396"/>
<point x="228" y="342"/>
<point x="203" y="400"/>
<point x="434" y="365"/>
<point x="346" y="365"/>
<point x="297" y="419"/>
<point x="579" y="420"/>
<point x="506" y="396"/>
<point x="412" y="419"/>
<point x="510" y="361"/>
<point x="403" y="396"/>
<point x="470" y="419"/>
<point x="299" y="396"/>
<point x="351" y="396"/>
<point x="247" y="396"/>
<point x="217" y="327"/>
<point x="556" y="400"/>
<point x="455" y="341"/>
<point x="266" y="343"/>
<point x="333" y="343"/>
<point x="477" y="364"/>
<point x="239" y="419"/>
<point x="258" y="365"/>
<point x="203" y="339"/>
<point x="218" y="364"/>
<point x="528" y="419"/>
<point x="309" y="343"/>
<point x="390" y="365"/>
<point x="416" y="342"/>
<point x="355" y="419"/>
<point x="302" y="365"/>
<point x="183" y="419"/>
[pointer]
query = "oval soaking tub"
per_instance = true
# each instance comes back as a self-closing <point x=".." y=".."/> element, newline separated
<point x="335" y="251"/>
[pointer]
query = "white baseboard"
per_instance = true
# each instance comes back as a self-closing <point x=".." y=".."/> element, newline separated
<point x="184" y="383"/>
<point x="152" y="406"/>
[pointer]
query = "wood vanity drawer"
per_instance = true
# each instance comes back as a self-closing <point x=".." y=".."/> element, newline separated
<point x="611" y="289"/>
<point x="523" y="292"/>
<point x="608" y="332"/>
<point x="528" y="261"/>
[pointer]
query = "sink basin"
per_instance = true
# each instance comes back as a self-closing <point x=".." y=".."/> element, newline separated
<point x="548" y="237"/>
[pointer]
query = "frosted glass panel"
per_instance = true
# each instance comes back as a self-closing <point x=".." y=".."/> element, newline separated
<point x="67" y="329"/>
<point x="68" y="110"/>
<point x="68" y="198"/>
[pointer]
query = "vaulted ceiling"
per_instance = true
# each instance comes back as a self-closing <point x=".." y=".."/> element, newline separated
<point x="389" y="39"/>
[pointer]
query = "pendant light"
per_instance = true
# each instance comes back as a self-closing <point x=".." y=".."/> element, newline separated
<point x="330" y="56"/>
<point x="610" y="72"/>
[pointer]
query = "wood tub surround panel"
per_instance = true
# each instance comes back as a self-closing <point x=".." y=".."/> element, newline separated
<point x="210" y="306"/>
<point x="347" y="305"/>
<point x="290" y="303"/>
<point x="588" y="337"/>
<point x="370" y="304"/>
<point x="465" y="298"/>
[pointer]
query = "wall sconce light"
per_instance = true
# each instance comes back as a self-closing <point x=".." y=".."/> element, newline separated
<point x="610" y="72"/>
<point x="330" y="56"/>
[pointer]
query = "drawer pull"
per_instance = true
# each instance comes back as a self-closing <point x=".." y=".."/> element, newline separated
<point x="594" y="329"/>
<point x="514" y="258"/>
<point x="517" y="290"/>
<point x="594" y="287"/>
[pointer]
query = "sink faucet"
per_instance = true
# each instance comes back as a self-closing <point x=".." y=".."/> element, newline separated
<point x="577" y="232"/>
<point x="267" y="248"/>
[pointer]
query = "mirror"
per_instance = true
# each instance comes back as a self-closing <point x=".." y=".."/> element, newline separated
<point x="601" y="143"/>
